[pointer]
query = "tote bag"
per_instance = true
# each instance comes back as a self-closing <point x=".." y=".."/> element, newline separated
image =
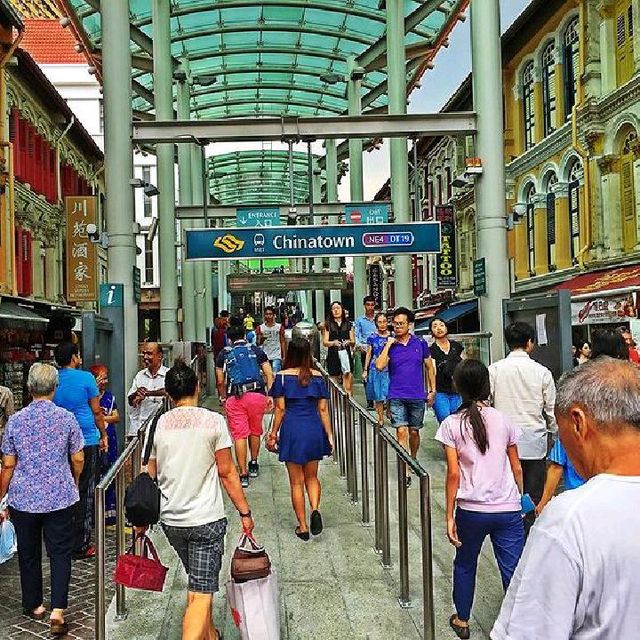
<point x="345" y="362"/>
<point x="8" y="542"/>
<point x="255" y="607"/>
<point x="141" y="572"/>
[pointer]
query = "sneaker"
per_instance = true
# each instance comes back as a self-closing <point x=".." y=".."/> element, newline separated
<point x="254" y="469"/>
<point x="244" y="480"/>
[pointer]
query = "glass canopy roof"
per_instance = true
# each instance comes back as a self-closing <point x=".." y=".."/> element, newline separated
<point x="278" y="57"/>
<point x="258" y="177"/>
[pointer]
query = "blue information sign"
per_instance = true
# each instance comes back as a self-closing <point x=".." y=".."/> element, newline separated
<point x="307" y="241"/>
<point x="367" y="213"/>
<point x="258" y="216"/>
<point x="111" y="295"/>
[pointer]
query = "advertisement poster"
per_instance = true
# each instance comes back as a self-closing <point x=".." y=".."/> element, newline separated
<point x="604" y="310"/>
<point x="446" y="272"/>
<point x="82" y="256"/>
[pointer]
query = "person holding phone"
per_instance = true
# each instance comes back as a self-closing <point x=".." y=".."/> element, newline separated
<point x="483" y="487"/>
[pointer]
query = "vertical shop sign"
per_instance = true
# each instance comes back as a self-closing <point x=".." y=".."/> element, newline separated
<point x="446" y="277"/>
<point x="375" y="283"/>
<point x="81" y="252"/>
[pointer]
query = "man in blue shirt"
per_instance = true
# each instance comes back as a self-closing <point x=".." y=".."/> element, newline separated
<point x="77" y="392"/>
<point x="559" y="467"/>
<point x="365" y="326"/>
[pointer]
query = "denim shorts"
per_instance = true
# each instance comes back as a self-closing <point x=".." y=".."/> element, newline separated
<point x="407" y="413"/>
<point x="200" y="549"/>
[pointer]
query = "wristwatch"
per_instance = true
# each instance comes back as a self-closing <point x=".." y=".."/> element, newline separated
<point x="245" y="515"/>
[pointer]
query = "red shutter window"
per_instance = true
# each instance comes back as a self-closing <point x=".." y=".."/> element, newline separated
<point x="37" y="157"/>
<point x="24" y="263"/>
<point x="31" y="163"/>
<point x="23" y="134"/>
<point x="52" y="175"/>
<point x="18" y="243"/>
<point x="14" y="137"/>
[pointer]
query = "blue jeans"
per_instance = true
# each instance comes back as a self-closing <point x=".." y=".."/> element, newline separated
<point x="276" y="365"/>
<point x="407" y="413"/>
<point x="445" y="404"/>
<point x="506" y="531"/>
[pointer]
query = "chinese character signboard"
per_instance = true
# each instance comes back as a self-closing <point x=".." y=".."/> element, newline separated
<point x="480" y="277"/>
<point x="375" y="283"/>
<point x="446" y="277"/>
<point x="81" y="252"/>
<point x="258" y="216"/>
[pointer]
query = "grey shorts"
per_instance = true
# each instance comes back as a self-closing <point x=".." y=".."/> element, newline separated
<point x="200" y="549"/>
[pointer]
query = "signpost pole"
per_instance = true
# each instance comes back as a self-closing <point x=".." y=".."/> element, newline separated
<point x="354" y="96"/>
<point x="163" y="92"/>
<point x="396" y="79"/>
<point x="332" y="196"/>
<point x="202" y="268"/>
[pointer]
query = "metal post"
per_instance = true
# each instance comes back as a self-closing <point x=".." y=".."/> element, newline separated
<point x="201" y="267"/>
<point x="163" y="93"/>
<point x="354" y="456"/>
<point x="354" y="97"/>
<point x="185" y="193"/>
<point x="364" y="470"/>
<point x="317" y="262"/>
<point x="377" y="485"/>
<point x="416" y="183"/>
<point x="334" y="420"/>
<point x="396" y="79"/>
<point x="341" y="449"/>
<point x="100" y="566"/>
<point x="348" y="446"/>
<point x="118" y="161"/>
<point x="384" y="479"/>
<point x="331" y="169"/>
<point x="427" y="558"/>
<point x="403" y="533"/>
<point x="121" y="609"/>
<point x="486" y="57"/>
<point x="206" y="266"/>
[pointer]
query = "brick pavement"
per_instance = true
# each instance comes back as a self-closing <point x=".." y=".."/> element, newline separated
<point x="80" y="614"/>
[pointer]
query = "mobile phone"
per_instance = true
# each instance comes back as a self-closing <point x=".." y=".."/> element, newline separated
<point x="526" y="504"/>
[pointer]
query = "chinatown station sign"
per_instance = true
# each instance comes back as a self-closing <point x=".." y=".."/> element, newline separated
<point x="607" y="310"/>
<point x="313" y="241"/>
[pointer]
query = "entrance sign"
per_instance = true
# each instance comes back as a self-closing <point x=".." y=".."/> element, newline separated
<point x="313" y="241"/>
<point x="258" y="216"/>
<point x="446" y="272"/>
<point x="81" y="258"/>
<point x="367" y="213"/>
<point x="273" y="282"/>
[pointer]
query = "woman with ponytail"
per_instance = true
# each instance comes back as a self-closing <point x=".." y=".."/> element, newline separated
<point x="483" y="487"/>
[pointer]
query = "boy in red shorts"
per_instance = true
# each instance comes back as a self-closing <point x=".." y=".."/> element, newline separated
<point x="244" y="376"/>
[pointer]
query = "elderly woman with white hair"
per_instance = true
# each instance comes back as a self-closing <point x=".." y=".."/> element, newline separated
<point x="37" y="445"/>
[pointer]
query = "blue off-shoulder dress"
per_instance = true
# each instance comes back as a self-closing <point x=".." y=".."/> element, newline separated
<point x="302" y="436"/>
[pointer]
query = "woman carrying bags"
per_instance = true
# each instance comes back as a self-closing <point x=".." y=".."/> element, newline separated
<point x="377" y="381"/>
<point x="302" y="431"/>
<point x="339" y="337"/>
<point x="191" y="457"/>
<point x="483" y="487"/>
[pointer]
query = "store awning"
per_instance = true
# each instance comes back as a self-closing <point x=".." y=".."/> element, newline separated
<point x="423" y="317"/>
<point x="598" y="282"/>
<point x="12" y="311"/>
<point x="459" y="310"/>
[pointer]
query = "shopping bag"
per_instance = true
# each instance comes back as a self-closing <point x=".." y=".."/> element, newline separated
<point x="8" y="542"/>
<point x="141" y="572"/>
<point x="250" y="561"/>
<point x="345" y="362"/>
<point x="255" y="607"/>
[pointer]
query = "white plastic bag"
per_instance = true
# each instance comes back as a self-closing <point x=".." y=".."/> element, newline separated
<point x="8" y="542"/>
<point x="255" y="607"/>
<point x="345" y="362"/>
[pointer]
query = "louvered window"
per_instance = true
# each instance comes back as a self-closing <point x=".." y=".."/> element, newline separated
<point x="528" y="106"/>
<point x="549" y="87"/>
<point x="571" y="55"/>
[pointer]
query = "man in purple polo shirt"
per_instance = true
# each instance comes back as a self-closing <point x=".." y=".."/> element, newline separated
<point x="406" y="356"/>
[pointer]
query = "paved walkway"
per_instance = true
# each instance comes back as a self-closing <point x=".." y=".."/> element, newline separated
<point x="334" y="585"/>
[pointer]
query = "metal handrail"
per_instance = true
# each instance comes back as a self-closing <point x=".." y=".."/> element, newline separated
<point x="346" y="412"/>
<point x="133" y="452"/>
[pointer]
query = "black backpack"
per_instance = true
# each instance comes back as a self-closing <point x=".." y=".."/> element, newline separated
<point x="142" y="497"/>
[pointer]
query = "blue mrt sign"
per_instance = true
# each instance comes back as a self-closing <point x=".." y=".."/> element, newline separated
<point x="258" y="216"/>
<point x="305" y="241"/>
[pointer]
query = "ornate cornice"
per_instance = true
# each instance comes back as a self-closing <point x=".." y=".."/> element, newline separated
<point x="559" y="140"/>
<point x="44" y="220"/>
<point x="608" y="164"/>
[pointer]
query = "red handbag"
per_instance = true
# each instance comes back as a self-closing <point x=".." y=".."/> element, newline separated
<point x="141" y="572"/>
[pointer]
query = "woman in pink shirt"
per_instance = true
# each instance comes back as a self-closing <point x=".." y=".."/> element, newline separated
<point x="484" y="487"/>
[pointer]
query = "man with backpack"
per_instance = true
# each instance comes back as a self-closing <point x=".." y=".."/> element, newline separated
<point x="241" y="372"/>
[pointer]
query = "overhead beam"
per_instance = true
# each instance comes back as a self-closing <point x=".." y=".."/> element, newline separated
<point x="292" y="128"/>
<point x="143" y="63"/>
<point x="412" y="51"/>
<point x="226" y="212"/>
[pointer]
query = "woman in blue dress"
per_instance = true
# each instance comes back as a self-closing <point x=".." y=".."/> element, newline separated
<point x="377" y="381"/>
<point x="301" y="431"/>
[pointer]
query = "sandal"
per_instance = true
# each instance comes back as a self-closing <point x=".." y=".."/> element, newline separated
<point x="459" y="630"/>
<point x="316" y="523"/>
<point x="34" y="616"/>
<point x="58" y="628"/>
<point x="303" y="535"/>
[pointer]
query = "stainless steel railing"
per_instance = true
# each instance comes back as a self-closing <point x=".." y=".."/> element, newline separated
<point x="116" y="474"/>
<point x="357" y="434"/>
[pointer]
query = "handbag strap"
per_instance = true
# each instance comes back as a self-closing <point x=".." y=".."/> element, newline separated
<point x="248" y="543"/>
<point x="150" y="438"/>
<point x="147" y="547"/>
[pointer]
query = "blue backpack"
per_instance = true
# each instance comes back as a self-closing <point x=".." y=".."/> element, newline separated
<point x="241" y="365"/>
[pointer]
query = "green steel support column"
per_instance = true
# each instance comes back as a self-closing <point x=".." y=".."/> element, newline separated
<point x="490" y="186"/>
<point x="201" y="289"/>
<point x="184" y="186"/>
<point x="354" y="95"/>
<point x="118" y="160"/>
<point x="317" y="262"/>
<point x="206" y="266"/>
<point x="163" y="93"/>
<point x="396" y="78"/>
<point x="332" y="196"/>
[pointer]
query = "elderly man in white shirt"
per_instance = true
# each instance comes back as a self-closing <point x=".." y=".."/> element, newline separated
<point x="147" y="390"/>
<point x="579" y="575"/>
<point x="524" y="390"/>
